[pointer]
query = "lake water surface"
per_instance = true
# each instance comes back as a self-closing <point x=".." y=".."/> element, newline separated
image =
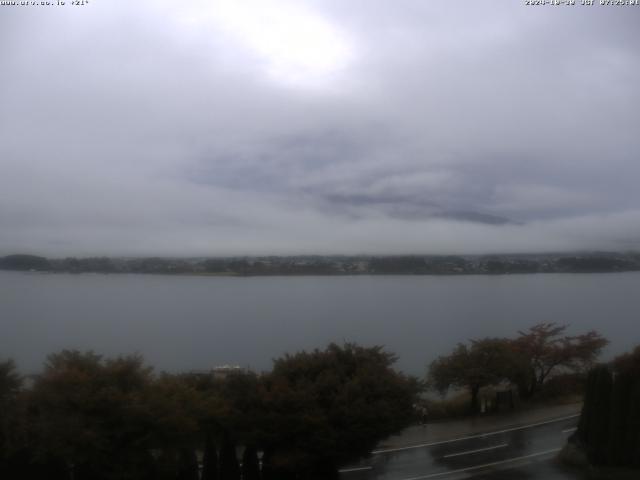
<point x="190" y="322"/>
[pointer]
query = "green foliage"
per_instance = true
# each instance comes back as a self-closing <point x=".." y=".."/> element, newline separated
<point x="398" y="265"/>
<point x="92" y="413"/>
<point x="484" y="362"/>
<point x="499" y="266"/>
<point x="331" y="406"/>
<point x="111" y="418"/>
<point x="528" y="361"/>
<point x="10" y="381"/>
<point x="451" y="407"/>
<point x="176" y="409"/>
<point x="241" y="408"/>
<point x="595" y="264"/>
<point x="568" y="386"/>
<point x="24" y="262"/>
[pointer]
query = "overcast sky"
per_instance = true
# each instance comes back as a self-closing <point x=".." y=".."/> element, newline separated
<point x="226" y="127"/>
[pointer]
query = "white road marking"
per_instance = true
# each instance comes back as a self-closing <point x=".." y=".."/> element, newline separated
<point x="480" y="435"/>
<point x="485" y="465"/>
<point x="468" y="452"/>
<point x="567" y="430"/>
<point x="357" y="469"/>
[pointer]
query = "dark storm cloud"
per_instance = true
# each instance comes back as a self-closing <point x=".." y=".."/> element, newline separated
<point x="358" y="126"/>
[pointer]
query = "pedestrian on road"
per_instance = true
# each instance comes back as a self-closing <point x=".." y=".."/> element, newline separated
<point x="424" y="414"/>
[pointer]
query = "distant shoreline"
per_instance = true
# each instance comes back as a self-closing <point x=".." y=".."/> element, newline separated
<point x="319" y="265"/>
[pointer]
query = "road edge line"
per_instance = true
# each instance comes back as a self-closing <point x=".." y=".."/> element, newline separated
<point x="469" y="437"/>
<point x="485" y="465"/>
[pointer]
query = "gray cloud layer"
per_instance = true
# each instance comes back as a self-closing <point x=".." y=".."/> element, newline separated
<point x="356" y="127"/>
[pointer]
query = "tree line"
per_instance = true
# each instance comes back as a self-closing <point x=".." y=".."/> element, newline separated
<point x="526" y="362"/>
<point x="90" y="417"/>
<point x="332" y="265"/>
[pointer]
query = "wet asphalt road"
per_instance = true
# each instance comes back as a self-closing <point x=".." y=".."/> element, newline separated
<point x="526" y="452"/>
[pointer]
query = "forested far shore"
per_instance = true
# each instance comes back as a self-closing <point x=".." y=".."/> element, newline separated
<point x="595" y="262"/>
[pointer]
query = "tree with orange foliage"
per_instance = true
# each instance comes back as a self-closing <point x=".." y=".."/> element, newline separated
<point x="544" y="350"/>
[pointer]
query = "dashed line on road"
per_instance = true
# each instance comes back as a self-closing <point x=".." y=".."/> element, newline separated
<point x="485" y="465"/>
<point x="470" y="437"/>
<point x="478" y="450"/>
<point x="569" y="430"/>
<point x="355" y="469"/>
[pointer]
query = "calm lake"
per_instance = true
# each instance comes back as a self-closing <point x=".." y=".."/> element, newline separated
<point x="188" y="322"/>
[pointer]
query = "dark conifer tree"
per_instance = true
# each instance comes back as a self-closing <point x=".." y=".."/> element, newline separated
<point x="250" y="464"/>
<point x="624" y="446"/>
<point x="273" y="468"/>
<point x="210" y="460"/>
<point x="633" y="425"/>
<point x="187" y="465"/>
<point x="618" y="447"/>
<point x="147" y="467"/>
<point x="599" y="421"/>
<point x="167" y="465"/>
<point x="229" y="467"/>
<point x="50" y="468"/>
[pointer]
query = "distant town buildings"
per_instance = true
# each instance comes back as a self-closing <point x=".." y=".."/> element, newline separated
<point x="336" y="264"/>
